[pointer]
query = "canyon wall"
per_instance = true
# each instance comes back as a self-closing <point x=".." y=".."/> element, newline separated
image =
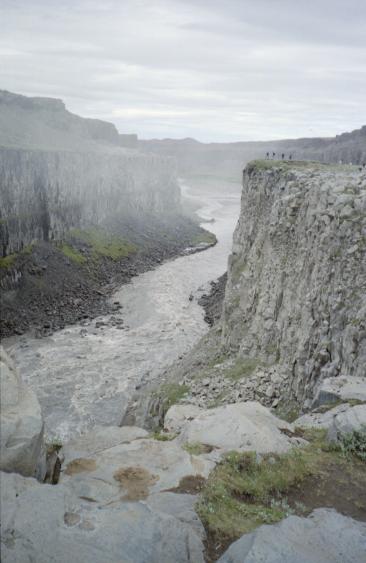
<point x="296" y="292"/>
<point x="59" y="171"/>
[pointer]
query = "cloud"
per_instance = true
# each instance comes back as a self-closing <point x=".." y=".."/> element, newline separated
<point x="214" y="70"/>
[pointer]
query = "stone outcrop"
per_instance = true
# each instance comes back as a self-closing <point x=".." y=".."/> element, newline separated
<point x="295" y="296"/>
<point x="21" y="437"/>
<point x="324" y="537"/>
<point x="44" y="523"/>
<point x="339" y="421"/>
<point x="335" y="389"/>
<point x="118" y="499"/>
<point x="241" y="427"/>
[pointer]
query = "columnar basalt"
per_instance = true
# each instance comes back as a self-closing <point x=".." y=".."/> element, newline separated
<point x="295" y="297"/>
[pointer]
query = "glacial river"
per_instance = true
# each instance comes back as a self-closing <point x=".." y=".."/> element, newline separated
<point x="85" y="375"/>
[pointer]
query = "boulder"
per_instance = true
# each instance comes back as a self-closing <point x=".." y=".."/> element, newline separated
<point x="347" y="421"/>
<point x="21" y="440"/>
<point x="44" y="523"/>
<point x="324" y="537"/>
<point x="178" y="415"/>
<point x="334" y="389"/>
<point x="242" y="426"/>
<point x="342" y="419"/>
<point x="320" y="419"/>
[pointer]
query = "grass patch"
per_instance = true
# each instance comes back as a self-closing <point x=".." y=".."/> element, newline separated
<point x="205" y="237"/>
<point x="241" y="493"/>
<point x="72" y="253"/>
<point x="7" y="262"/>
<point x="243" y="367"/>
<point x="172" y="393"/>
<point x="353" y="444"/>
<point x="104" y="244"/>
<point x="244" y="492"/>
<point x="196" y="448"/>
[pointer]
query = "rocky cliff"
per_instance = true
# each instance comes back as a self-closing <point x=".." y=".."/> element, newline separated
<point x="293" y="318"/>
<point x="59" y="171"/>
<point x="295" y="296"/>
<point x="45" y="193"/>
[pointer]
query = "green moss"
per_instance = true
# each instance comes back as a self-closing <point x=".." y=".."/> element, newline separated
<point x="104" y="244"/>
<point x="9" y="261"/>
<point x="243" y="367"/>
<point x="204" y="237"/>
<point x="72" y="253"/>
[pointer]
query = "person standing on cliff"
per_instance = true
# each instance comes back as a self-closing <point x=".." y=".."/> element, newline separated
<point x="273" y="155"/>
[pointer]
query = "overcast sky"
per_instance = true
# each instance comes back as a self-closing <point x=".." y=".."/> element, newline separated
<point x="216" y="70"/>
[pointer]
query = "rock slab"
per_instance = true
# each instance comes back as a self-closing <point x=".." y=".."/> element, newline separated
<point x="324" y="537"/>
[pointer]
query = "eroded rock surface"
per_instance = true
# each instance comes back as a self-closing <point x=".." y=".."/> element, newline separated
<point x="21" y="423"/>
<point x="242" y="426"/>
<point x="324" y="537"/>
<point x="44" y="523"/>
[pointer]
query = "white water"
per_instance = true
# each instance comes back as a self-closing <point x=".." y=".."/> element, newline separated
<point x="85" y="376"/>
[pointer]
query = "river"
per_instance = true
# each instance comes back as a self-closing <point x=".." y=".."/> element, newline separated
<point x="85" y="375"/>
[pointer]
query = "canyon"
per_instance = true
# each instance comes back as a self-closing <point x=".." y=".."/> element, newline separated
<point x="136" y="432"/>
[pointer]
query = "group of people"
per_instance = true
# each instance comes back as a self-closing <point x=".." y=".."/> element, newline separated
<point x="273" y="157"/>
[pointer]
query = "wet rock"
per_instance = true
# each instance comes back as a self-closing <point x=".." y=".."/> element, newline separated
<point x="324" y="537"/>
<point x="21" y="445"/>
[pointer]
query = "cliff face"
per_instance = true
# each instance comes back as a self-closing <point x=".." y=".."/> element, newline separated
<point x="296" y="292"/>
<point x="59" y="171"/>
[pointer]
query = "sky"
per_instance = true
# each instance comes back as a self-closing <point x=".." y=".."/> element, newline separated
<point x="215" y="70"/>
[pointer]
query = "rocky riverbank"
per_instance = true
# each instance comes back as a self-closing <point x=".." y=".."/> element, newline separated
<point x="51" y="285"/>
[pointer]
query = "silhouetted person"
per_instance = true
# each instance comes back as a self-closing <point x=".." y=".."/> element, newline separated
<point x="290" y="157"/>
<point x="267" y="156"/>
<point x="283" y="156"/>
<point x="273" y="155"/>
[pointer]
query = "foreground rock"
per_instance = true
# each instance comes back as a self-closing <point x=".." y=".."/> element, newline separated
<point x="342" y="419"/>
<point x="21" y="439"/>
<point x="324" y="537"/>
<point x="128" y="468"/>
<point x="44" y="523"/>
<point x="242" y="426"/>
<point x="334" y="389"/>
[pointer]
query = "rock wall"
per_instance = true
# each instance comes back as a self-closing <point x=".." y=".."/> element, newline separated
<point x="59" y="170"/>
<point x="45" y="193"/>
<point x="296" y="292"/>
